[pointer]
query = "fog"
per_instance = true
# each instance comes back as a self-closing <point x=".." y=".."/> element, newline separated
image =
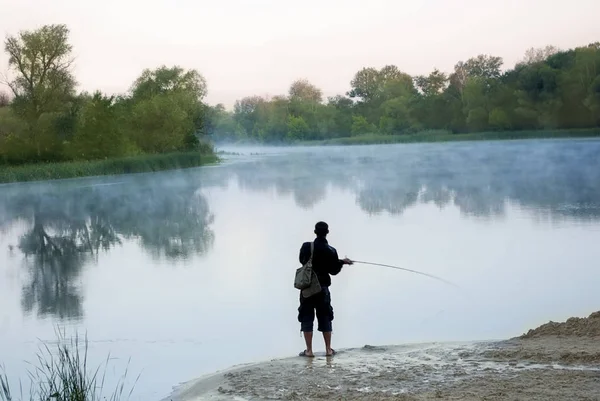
<point x="191" y="271"/>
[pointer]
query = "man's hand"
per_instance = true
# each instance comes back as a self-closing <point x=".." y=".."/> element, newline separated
<point x="347" y="261"/>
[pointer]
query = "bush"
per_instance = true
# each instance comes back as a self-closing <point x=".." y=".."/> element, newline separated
<point x="360" y="126"/>
<point x="499" y="120"/>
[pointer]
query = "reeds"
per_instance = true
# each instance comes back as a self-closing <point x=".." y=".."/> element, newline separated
<point x="126" y="165"/>
<point x="64" y="375"/>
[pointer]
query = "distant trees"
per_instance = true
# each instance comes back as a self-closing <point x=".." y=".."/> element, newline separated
<point x="48" y="121"/>
<point x="45" y="119"/>
<point x="548" y="88"/>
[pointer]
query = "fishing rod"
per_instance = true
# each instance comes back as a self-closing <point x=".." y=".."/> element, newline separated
<point x="408" y="270"/>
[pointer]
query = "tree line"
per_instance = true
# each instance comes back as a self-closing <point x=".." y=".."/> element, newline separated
<point x="548" y="89"/>
<point x="44" y="119"/>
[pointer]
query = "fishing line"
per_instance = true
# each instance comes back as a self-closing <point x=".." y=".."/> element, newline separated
<point x="409" y="270"/>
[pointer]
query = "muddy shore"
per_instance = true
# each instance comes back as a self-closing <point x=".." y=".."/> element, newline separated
<point x="557" y="361"/>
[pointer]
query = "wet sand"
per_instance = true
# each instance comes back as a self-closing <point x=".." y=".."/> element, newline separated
<point x="542" y="367"/>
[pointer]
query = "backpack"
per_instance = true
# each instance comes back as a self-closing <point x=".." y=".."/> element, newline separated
<point x="306" y="279"/>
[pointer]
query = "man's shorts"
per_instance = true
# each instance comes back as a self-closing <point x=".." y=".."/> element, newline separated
<point x="319" y="303"/>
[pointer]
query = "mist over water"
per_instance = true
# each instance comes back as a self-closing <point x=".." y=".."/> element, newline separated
<point x="191" y="271"/>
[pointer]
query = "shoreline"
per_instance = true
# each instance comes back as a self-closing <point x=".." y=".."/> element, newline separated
<point x="555" y="361"/>
<point x="40" y="172"/>
<point x="441" y="137"/>
<point x="429" y="136"/>
<point x="183" y="160"/>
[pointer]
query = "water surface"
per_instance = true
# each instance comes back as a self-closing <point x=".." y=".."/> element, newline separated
<point x="188" y="272"/>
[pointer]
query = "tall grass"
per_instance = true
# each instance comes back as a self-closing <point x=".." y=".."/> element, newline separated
<point x="135" y="164"/>
<point x="447" y="136"/>
<point x="64" y="375"/>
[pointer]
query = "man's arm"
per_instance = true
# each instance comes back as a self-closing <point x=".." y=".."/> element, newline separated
<point x="304" y="254"/>
<point x="336" y="264"/>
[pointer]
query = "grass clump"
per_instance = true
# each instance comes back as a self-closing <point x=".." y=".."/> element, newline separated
<point x="126" y="165"/>
<point x="63" y="375"/>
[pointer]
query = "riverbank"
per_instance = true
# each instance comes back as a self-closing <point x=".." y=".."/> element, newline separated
<point x="126" y="165"/>
<point x="447" y="136"/>
<point x="558" y="361"/>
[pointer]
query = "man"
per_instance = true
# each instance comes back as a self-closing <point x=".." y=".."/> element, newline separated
<point x="325" y="263"/>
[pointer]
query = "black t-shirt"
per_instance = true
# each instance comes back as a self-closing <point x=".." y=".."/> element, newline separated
<point x="325" y="260"/>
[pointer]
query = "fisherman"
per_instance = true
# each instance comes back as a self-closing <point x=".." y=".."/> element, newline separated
<point x="325" y="263"/>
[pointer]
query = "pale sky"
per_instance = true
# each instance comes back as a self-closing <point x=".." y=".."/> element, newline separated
<point x="245" y="47"/>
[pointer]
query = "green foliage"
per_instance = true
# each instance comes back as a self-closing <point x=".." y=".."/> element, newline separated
<point x="127" y="165"/>
<point x="165" y="80"/>
<point x="499" y="120"/>
<point x="41" y="62"/>
<point x="360" y="126"/>
<point x="549" y="89"/>
<point x="297" y="128"/>
<point x="46" y="121"/>
<point x="98" y="131"/>
<point x="304" y="91"/>
<point x="159" y="124"/>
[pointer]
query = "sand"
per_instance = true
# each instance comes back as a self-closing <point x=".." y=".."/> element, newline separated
<point x="556" y="361"/>
<point x="573" y="327"/>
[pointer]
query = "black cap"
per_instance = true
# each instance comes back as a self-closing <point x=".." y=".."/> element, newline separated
<point x="321" y="228"/>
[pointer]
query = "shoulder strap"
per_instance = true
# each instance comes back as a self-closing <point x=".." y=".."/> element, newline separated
<point x="312" y="249"/>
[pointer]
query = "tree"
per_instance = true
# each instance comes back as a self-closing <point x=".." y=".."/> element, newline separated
<point x="537" y="93"/>
<point x="482" y="66"/>
<point x="395" y="115"/>
<point x="42" y="64"/>
<point x="245" y="112"/>
<point x="433" y="84"/>
<point x="430" y="106"/>
<point x="41" y="60"/>
<point x="169" y="80"/>
<point x="4" y="99"/>
<point x="368" y="84"/>
<point x="592" y="101"/>
<point x="342" y="115"/>
<point x="176" y="96"/>
<point x="361" y="126"/>
<point x="98" y="132"/>
<point x="273" y="117"/>
<point x="304" y="91"/>
<point x="499" y="120"/>
<point x="539" y="55"/>
<point x="297" y="128"/>
<point x="476" y="104"/>
<point x="161" y="123"/>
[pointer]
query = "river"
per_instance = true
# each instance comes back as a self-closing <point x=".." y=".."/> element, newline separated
<point x="182" y="273"/>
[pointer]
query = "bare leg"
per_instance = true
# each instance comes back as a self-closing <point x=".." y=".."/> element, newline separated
<point x="308" y="336"/>
<point x="327" y="338"/>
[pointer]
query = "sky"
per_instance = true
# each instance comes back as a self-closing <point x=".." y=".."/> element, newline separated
<point x="259" y="47"/>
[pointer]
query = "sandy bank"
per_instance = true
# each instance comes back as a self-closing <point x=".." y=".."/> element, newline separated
<point x="558" y="361"/>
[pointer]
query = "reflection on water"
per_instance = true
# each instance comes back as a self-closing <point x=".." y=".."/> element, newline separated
<point x="556" y="177"/>
<point x="69" y="223"/>
<point x="187" y="269"/>
<point x="67" y="226"/>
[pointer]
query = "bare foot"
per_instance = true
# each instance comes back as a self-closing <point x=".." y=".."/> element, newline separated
<point x="306" y="353"/>
<point x="330" y="352"/>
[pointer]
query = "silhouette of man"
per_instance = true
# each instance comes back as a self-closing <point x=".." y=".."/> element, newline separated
<point x="325" y="263"/>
